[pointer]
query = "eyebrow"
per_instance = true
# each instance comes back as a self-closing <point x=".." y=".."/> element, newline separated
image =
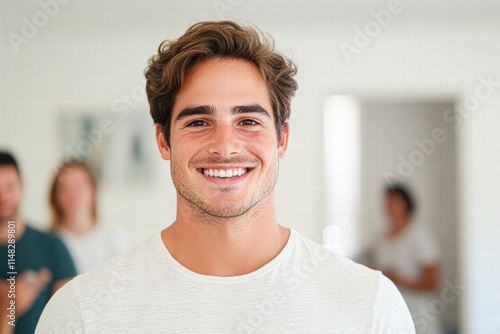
<point x="189" y="111"/>
<point x="249" y="109"/>
<point x="209" y="110"/>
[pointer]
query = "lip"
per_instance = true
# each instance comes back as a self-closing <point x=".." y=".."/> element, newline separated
<point x="225" y="181"/>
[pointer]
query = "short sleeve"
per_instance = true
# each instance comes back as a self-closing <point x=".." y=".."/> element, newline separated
<point x="62" y="263"/>
<point x="391" y="314"/>
<point x="62" y="313"/>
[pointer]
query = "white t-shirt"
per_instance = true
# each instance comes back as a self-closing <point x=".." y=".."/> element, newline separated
<point x="406" y="254"/>
<point x="306" y="288"/>
<point x="92" y="249"/>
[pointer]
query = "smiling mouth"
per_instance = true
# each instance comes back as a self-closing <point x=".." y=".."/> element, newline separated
<point x="223" y="173"/>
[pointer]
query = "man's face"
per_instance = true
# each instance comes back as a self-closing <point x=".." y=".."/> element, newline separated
<point x="396" y="207"/>
<point x="11" y="188"/>
<point x="223" y="143"/>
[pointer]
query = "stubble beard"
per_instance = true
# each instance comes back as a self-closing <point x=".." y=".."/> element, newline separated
<point x="10" y="216"/>
<point x="223" y="210"/>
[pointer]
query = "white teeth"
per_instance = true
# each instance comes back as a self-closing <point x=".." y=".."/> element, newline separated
<point x="222" y="173"/>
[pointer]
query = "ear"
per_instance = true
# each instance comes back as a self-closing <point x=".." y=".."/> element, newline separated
<point x="162" y="143"/>
<point x="283" y="144"/>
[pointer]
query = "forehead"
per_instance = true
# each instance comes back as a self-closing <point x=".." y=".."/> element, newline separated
<point x="223" y="82"/>
<point x="73" y="173"/>
<point x="397" y="197"/>
<point x="8" y="172"/>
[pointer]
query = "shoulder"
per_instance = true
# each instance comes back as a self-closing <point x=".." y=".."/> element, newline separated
<point x="85" y="297"/>
<point x="420" y="230"/>
<point x="311" y="249"/>
<point x="35" y="233"/>
<point x="391" y="314"/>
<point x="47" y="239"/>
<point x="62" y="305"/>
<point x="336" y="269"/>
<point x="360" y="290"/>
<point x="350" y="288"/>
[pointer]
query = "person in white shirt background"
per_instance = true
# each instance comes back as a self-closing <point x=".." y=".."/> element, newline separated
<point x="73" y="202"/>
<point x="408" y="255"/>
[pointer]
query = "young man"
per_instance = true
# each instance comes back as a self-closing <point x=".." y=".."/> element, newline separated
<point x="36" y="264"/>
<point x="220" y="97"/>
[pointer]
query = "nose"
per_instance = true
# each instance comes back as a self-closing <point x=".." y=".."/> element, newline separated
<point x="225" y="142"/>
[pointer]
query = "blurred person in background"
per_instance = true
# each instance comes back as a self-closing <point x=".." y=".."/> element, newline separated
<point x="40" y="262"/>
<point x="408" y="255"/>
<point x="73" y="202"/>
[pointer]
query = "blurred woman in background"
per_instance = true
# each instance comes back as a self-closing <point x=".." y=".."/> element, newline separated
<point x="408" y="255"/>
<point x="73" y="202"/>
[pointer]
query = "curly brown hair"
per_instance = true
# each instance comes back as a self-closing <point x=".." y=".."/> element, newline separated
<point x="166" y="70"/>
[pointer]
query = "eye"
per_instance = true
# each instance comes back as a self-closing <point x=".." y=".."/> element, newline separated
<point x="249" y="122"/>
<point x="198" y="122"/>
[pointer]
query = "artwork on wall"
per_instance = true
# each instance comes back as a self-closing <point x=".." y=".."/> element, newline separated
<point x="119" y="150"/>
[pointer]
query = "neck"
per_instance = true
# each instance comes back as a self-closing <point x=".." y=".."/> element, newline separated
<point x="19" y="229"/>
<point x="80" y="223"/>
<point x="225" y="246"/>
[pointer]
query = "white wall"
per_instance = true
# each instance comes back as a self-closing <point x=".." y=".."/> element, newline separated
<point x="88" y="55"/>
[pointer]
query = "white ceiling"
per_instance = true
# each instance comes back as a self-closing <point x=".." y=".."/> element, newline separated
<point x="133" y="15"/>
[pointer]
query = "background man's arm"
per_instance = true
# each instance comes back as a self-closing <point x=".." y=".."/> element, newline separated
<point x="28" y="288"/>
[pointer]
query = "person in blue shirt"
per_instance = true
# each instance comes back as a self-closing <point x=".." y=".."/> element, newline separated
<point x="35" y="264"/>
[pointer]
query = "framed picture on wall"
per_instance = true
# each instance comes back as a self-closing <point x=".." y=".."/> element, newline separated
<point x="119" y="150"/>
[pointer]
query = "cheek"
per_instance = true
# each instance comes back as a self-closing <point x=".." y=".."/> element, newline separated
<point x="87" y="195"/>
<point x="266" y="149"/>
<point x="185" y="149"/>
<point x="389" y="207"/>
<point x="261" y="144"/>
<point x="60" y="196"/>
<point x="395" y="207"/>
<point x="63" y="197"/>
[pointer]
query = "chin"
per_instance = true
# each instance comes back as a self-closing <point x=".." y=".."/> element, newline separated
<point x="226" y="211"/>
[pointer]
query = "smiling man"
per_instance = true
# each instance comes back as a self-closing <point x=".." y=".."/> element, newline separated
<point x="220" y="98"/>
